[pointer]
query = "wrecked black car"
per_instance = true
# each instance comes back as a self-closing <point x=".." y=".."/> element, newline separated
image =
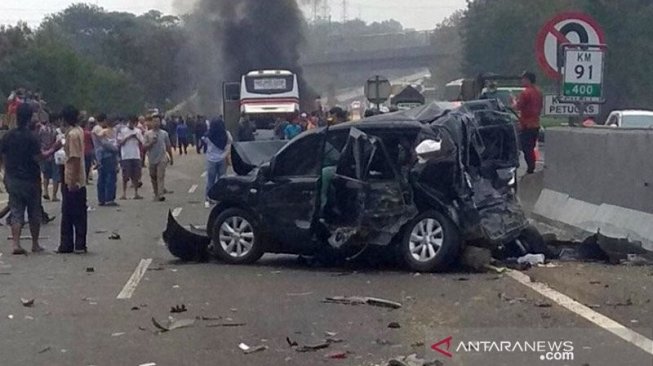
<point x="423" y="182"/>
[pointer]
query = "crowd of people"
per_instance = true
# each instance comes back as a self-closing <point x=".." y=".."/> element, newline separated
<point x="53" y="156"/>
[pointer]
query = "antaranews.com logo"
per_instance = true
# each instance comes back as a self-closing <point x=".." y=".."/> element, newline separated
<point x="544" y="350"/>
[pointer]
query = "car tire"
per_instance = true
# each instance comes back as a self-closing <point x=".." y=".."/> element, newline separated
<point x="438" y="250"/>
<point x="236" y="237"/>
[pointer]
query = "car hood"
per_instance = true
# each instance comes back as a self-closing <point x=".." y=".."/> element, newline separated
<point x="246" y="156"/>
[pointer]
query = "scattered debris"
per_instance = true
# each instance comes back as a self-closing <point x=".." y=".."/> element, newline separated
<point x="209" y="318"/>
<point x="291" y="343"/>
<point x="330" y="334"/>
<point x="135" y="308"/>
<point x="28" y="303"/>
<point x="44" y="350"/>
<point x="159" y="268"/>
<point x="595" y="282"/>
<point x="417" y="344"/>
<point x="394" y="325"/>
<point x="117" y="334"/>
<point x="114" y="236"/>
<point x="148" y="364"/>
<point x="10" y="316"/>
<point x="173" y="324"/>
<point x="216" y="325"/>
<point x="337" y="355"/>
<point x="628" y="302"/>
<point x="299" y="294"/>
<point x="542" y="304"/>
<point x="462" y="279"/>
<point x="511" y="300"/>
<point x="27" y="317"/>
<point x="90" y="269"/>
<point x="532" y="259"/>
<point x="383" y="342"/>
<point x="101" y="231"/>
<point x="356" y="300"/>
<point x="247" y="349"/>
<point x="178" y="309"/>
<point x="594" y="306"/>
<point x="312" y="347"/>
<point x="413" y="360"/>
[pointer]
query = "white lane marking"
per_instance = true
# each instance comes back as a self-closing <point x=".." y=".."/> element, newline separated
<point x="133" y="281"/>
<point x="577" y="308"/>
<point x="193" y="189"/>
<point x="176" y="212"/>
<point x="204" y="175"/>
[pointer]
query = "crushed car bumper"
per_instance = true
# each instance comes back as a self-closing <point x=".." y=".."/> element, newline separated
<point x="185" y="244"/>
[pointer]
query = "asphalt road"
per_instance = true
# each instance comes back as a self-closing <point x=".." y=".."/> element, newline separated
<point x="77" y="319"/>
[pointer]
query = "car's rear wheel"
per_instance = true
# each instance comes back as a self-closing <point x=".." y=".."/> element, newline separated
<point x="236" y="237"/>
<point x="431" y="243"/>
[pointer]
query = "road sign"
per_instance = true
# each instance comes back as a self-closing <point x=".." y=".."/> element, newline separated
<point x="378" y="89"/>
<point x="565" y="28"/>
<point x="554" y="107"/>
<point x="583" y="72"/>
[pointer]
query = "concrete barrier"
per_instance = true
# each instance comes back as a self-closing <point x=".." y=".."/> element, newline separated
<point x="599" y="180"/>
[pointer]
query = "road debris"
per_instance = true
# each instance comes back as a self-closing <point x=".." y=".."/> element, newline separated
<point x="532" y="259"/>
<point x="312" y="347"/>
<point x="628" y="302"/>
<point x="44" y="350"/>
<point x="511" y="300"/>
<point x="413" y="360"/>
<point x="248" y="350"/>
<point x="357" y="300"/>
<point x="394" y="325"/>
<point x="90" y="269"/>
<point x="216" y="325"/>
<point x="101" y="231"/>
<point x="543" y="304"/>
<point x="173" y="324"/>
<point x="337" y="355"/>
<point x="118" y="334"/>
<point x="10" y="316"/>
<point x="114" y="236"/>
<point x="330" y="334"/>
<point x="28" y="303"/>
<point x="297" y="294"/>
<point x="148" y="364"/>
<point x="178" y="309"/>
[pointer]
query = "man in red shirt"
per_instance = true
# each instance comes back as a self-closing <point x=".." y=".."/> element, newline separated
<point x="529" y="104"/>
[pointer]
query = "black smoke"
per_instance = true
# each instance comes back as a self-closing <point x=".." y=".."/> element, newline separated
<point x="228" y="38"/>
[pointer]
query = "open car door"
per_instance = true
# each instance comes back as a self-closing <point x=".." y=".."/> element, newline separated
<point x="367" y="202"/>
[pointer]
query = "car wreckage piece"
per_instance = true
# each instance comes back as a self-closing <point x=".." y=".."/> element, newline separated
<point x="185" y="244"/>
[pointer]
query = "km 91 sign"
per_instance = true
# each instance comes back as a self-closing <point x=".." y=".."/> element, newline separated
<point x="583" y="73"/>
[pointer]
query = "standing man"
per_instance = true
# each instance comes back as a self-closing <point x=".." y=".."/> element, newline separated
<point x="73" y="209"/>
<point x="529" y="104"/>
<point x="48" y="137"/>
<point x="21" y="152"/>
<point x="106" y="151"/>
<point x="157" y="144"/>
<point x="130" y="140"/>
<point x="182" y="136"/>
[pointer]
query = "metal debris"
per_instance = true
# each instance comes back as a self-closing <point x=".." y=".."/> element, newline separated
<point x="173" y="324"/>
<point x="44" y="350"/>
<point x="90" y="269"/>
<point x="28" y="303"/>
<point x="178" y="309"/>
<point x="312" y="347"/>
<point x="248" y="350"/>
<point x="114" y="236"/>
<point x="394" y="325"/>
<point x="356" y="300"/>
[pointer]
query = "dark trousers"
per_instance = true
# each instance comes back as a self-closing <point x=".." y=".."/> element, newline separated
<point x="528" y="139"/>
<point x="107" y="176"/>
<point x="88" y="162"/>
<point x="73" y="220"/>
<point x="200" y="146"/>
<point x="182" y="145"/>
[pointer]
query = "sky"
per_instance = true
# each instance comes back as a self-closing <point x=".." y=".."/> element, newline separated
<point x="418" y="14"/>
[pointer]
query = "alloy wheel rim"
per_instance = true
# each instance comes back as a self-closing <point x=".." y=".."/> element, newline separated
<point x="236" y="236"/>
<point x="426" y="239"/>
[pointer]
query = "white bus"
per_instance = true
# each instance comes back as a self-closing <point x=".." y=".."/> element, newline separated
<point x="268" y="94"/>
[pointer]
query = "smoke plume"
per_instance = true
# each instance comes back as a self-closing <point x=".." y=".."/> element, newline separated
<point x="228" y="38"/>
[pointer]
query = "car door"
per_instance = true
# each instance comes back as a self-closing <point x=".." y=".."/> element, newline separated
<point x="290" y="194"/>
<point x="367" y="199"/>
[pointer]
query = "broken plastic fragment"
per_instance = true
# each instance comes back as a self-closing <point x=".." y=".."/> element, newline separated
<point x="27" y="302"/>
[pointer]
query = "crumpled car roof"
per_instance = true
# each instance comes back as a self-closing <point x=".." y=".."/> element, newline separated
<point x="424" y="114"/>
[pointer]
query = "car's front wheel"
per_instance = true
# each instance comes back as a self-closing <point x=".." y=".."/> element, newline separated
<point x="431" y="243"/>
<point x="236" y="237"/>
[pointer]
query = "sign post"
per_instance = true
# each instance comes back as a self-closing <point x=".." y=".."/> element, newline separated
<point x="377" y="90"/>
<point x="582" y="75"/>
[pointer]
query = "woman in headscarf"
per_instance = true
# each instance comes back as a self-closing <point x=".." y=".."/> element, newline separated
<point x="218" y="141"/>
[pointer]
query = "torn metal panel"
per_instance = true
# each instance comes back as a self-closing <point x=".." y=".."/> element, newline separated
<point x="185" y="244"/>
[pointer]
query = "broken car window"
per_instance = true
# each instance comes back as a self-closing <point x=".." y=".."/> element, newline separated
<point x="301" y="158"/>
